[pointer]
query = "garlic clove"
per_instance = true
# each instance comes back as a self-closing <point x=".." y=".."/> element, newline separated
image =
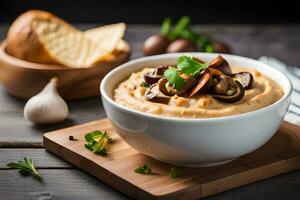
<point x="47" y="107"/>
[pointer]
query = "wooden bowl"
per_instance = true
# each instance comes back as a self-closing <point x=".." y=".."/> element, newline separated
<point x="24" y="79"/>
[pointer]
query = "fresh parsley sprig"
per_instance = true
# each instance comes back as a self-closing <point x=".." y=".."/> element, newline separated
<point x="25" y="167"/>
<point x="190" y="66"/>
<point x="145" y="169"/>
<point x="181" y="26"/>
<point x="187" y="65"/>
<point x="174" y="78"/>
<point x="97" y="142"/>
<point x="182" y="29"/>
<point x="165" y="27"/>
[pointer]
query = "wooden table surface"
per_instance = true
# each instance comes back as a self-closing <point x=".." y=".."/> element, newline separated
<point x="19" y="138"/>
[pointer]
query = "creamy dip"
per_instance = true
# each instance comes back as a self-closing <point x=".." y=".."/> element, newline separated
<point x="264" y="92"/>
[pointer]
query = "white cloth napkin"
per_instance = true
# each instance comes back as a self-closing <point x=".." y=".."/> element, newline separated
<point x="293" y="73"/>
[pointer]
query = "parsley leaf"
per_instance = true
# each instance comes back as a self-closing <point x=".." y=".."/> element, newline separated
<point x="189" y="65"/>
<point x="165" y="28"/>
<point x="174" y="79"/>
<point x="97" y="142"/>
<point x="143" y="170"/>
<point x="180" y="26"/>
<point x="25" y="167"/>
<point x="182" y="29"/>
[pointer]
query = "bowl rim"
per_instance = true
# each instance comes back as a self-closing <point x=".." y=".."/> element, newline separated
<point x="52" y="67"/>
<point x="104" y="95"/>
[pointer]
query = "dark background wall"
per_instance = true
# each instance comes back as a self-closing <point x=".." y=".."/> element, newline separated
<point x="146" y="11"/>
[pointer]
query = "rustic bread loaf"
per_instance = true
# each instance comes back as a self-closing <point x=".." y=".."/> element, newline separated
<point x="41" y="37"/>
<point x="22" y="40"/>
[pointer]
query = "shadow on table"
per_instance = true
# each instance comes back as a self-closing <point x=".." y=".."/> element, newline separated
<point x="51" y="127"/>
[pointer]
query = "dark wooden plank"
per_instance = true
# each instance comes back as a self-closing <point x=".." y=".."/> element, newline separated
<point x="16" y="131"/>
<point x="56" y="184"/>
<point x="76" y="185"/>
<point x="41" y="158"/>
<point x="285" y="186"/>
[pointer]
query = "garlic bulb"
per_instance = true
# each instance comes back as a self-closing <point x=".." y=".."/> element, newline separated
<point x="47" y="107"/>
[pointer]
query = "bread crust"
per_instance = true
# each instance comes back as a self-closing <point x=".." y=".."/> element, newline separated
<point x="23" y="42"/>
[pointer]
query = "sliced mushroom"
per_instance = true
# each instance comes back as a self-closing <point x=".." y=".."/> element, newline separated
<point x="154" y="95"/>
<point x="160" y="70"/>
<point x="221" y="87"/>
<point x="154" y="76"/>
<point x="205" y="82"/>
<point x="215" y="72"/>
<point x="229" y="80"/>
<point x="220" y="64"/>
<point x="225" y="85"/>
<point x="199" y="60"/>
<point x="162" y="86"/>
<point x="238" y="95"/>
<point x="168" y="90"/>
<point x="245" y="78"/>
<point x="151" y="78"/>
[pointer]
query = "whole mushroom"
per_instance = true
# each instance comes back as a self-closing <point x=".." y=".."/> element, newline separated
<point x="155" y="44"/>
<point x="181" y="45"/>
<point x="220" y="47"/>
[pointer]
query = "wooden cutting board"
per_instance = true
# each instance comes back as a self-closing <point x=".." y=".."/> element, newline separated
<point x="281" y="154"/>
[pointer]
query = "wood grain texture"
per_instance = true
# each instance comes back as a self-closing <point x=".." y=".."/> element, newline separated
<point x="117" y="168"/>
<point x="73" y="184"/>
<point x="15" y="131"/>
<point x="42" y="158"/>
<point x="57" y="184"/>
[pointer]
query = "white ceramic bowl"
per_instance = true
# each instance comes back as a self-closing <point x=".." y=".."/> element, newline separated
<point x="194" y="142"/>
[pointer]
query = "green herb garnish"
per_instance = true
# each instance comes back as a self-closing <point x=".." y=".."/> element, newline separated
<point x="143" y="170"/>
<point x="97" y="141"/>
<point x="144" y="84"/>
<point x="190" y="66"/>
<point x="25" y="167"/>
<point x="174" y="172"/>
<point x="174" y="79"/>
<point x="208" y="46"/>
<point x="165" y="27"/>
<point x="187" y="65"/>
<point x="182" y="25"/>
<point x="182" y="29"/>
